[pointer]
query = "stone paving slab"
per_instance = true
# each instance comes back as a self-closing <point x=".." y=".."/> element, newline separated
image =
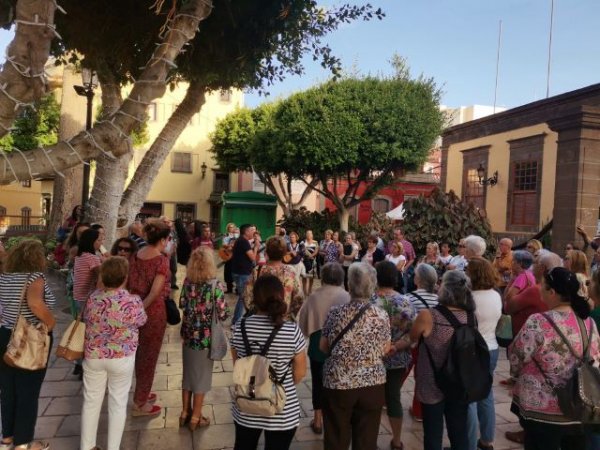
<point x="61" y="399"/>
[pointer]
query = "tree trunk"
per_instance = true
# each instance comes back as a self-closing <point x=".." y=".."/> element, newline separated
<point x="110" y="175"/>
<point x="62" y="190"/>
<point x="23" y="72"/>
<point x="107" y="136"/>
<point x="344" y="216"/>
<point x="146" y="172"/>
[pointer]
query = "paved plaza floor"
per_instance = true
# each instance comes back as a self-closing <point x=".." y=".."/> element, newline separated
<point x="61" y="400"/>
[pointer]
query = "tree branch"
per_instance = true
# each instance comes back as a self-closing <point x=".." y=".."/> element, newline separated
<point x="105" y="136"/>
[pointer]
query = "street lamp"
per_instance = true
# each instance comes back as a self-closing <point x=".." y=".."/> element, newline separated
<point x="89" y="82"/>
<point x="486" y="181"/>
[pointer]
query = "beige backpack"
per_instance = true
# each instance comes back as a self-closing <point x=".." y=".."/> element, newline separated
<point x="258" y="391"/>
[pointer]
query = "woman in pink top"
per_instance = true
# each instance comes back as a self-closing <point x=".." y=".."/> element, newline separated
<point x="522" y="277"/>
<point x="540" y="359"/>
<point x="112" y="318"/>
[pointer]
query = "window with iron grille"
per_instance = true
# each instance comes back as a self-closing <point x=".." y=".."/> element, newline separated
<point x="381" y="205"/>
<point x="185" y="211"/>
<point x="26" y="216"/>
<point x="524" y="193"/>
<point x="26" y="183"/>
<point x="525" y="183"/>
<point x="474" y="192"/>
<point x="181" y="162"/>
<point x="221" y="182"/>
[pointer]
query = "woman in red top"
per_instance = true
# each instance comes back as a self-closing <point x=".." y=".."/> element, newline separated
<point x="149" y="277"/>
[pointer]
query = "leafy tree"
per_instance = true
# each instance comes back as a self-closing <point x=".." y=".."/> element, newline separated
<point x="357" y="131"/>
<point x="35" y="126"/>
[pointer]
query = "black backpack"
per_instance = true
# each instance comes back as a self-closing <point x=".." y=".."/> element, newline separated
<point x="465" y="374"/>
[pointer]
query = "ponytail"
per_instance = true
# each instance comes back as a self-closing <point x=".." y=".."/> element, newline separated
<point x="268" y="297"/>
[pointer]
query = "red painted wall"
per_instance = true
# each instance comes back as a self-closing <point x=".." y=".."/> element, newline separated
<point x="395" y="194"/>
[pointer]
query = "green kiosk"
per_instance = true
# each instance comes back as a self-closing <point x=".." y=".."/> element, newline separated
<point x="250" y="207"/>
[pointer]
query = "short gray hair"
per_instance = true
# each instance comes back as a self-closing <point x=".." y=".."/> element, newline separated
<point x="523" y="258"/>
<point x="549" y="260"/>
<point x="475" y="245"/>
<point x="362" y="280"/>
<point x="332" y="273"/>
<point x="427" y="277"/>
<point x="456" y="291"/>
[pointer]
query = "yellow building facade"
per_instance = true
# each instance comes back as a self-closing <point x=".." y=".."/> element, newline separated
<point x="189" y="184"/>
<point x="547" y="158"/>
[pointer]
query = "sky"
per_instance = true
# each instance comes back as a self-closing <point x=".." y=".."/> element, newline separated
<point x="456" y="42"/>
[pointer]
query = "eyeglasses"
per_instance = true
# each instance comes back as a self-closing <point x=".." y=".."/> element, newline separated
<point x="124" y="249"/>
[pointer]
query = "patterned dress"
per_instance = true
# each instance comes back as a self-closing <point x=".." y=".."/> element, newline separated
<point x="287" y="276"/>
<point x="198" y="303"/>
<point x="402" y="314"/>
<point x="142" y="273"/>
<point x="331" y="252"/>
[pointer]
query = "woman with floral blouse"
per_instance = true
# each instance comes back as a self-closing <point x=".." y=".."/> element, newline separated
<point x="398" y="360"/>
<point x="540" y="359"/>
<point x="112" y="317"/>
<point x="354" y="374"/>
<point x="202" y="296"/>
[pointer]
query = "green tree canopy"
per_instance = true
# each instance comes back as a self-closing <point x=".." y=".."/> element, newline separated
<point x="362" y="131"/>
<point x="34" y="127"/>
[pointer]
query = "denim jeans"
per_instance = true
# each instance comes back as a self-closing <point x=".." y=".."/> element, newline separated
<point x="240" y="285"/>
<point x="455" y="414"/>
<point x="482" y="414"/>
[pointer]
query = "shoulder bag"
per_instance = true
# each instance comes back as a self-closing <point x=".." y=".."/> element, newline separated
<point x="348" y="327"/>
<point x="218" y="340"/>
<point x="71" y="346"/>
<point x="29" y="345"/>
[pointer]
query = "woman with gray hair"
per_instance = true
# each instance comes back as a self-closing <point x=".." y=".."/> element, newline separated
<point x="434" y="333"/>
<point x="474" y="246"/>
<point x="522" y="277"/>
<point x="424" y="297"/>
<point x="357" y="337"/>
<point x="311" y="318"/>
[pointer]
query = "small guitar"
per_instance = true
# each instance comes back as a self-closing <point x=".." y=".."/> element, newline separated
<point x="225" y="253"/>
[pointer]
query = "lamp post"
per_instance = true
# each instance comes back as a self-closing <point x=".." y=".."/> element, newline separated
<point x="89" y="82"/>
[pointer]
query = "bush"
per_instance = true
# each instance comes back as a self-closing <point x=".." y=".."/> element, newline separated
<point x="16" y="240"/>
<point x="300" y="220"/>
<point x="444" y="217"/>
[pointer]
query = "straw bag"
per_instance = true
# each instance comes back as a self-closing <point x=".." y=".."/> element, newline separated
<point x="72" y="342"/>
<point x="29" y="344"/>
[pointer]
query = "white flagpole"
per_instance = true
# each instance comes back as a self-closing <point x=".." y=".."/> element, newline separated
<point x="550" y="48"/>
<point x="497" y="63"/>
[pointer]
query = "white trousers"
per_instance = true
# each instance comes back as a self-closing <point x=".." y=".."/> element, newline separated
<point x="97" y="373"/>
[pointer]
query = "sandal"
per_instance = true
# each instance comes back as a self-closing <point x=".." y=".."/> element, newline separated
<point x="184" y="418"/>
<point x="34" y="445"/>
<point x="145" y="410"/>
<point x="152" y="397"/>
<point x="198" y="422"/>
<point x="396" y="447"/>
<point x="316" y="429"/>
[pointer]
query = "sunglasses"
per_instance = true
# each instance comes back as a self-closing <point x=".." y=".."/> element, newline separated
<point x="124" y="249"/>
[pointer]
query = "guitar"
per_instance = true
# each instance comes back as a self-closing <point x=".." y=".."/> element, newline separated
<point x="225" y="253"/>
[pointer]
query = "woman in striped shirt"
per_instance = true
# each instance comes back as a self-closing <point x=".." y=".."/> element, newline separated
<point x="25" y="266"/>
<point x="287" y="358"/>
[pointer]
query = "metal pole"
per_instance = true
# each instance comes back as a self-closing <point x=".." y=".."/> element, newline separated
<point x="497" y="63"/>
<point x="550" y="48"/>
<point x="85" y="188"/>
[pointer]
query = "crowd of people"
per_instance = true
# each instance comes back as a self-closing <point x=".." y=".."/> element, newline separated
<point x="380" y="312"/>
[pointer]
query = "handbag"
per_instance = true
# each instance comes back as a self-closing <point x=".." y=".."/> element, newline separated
<point x="29" y="345"/>
<point x="218" y="340"/>
<point x="72" y="343"/>
<point x="504" y="332"/>
<point x="173" y="315"/>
